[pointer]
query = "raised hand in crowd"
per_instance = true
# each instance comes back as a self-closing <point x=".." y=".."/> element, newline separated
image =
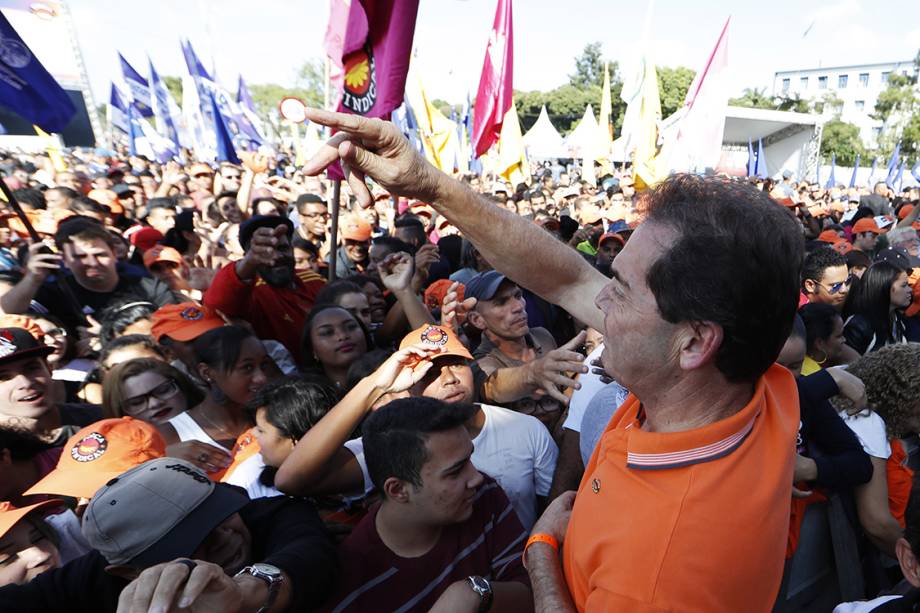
<point x="42" y="262"/>
<point x="397" y="271"/>
<point x="263" y="251"/>
<point x="552" y="371"/>
<point x="454" y="310"/>
<point x="427" y="255"/>
<point x="206" y="457"/>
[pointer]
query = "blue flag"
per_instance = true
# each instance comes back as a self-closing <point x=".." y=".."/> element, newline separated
<point x="132" y="131"/>
<point x="914" y="171"/>
<point x="118" y="110"/>
<point x="752" y="160"/>
<point x="225" y="149"/>
<point x="872" y="172"/>
<point x="899" y="178"/>
<point x="243" y="98"/>
<point x="761" y="169"/>
<point x="138" y="87"/>
<point x="475" y="162"/>
<point x="26" y="88"/>
<point x="855" y="170"/>
<point x="893" y="165"/>
<point x="831" y="181"/>
<point x="161" y="107"/>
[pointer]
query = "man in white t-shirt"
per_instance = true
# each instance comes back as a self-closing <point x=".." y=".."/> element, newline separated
<point x="516" y="450"/>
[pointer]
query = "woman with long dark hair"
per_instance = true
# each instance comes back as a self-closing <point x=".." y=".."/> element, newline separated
<point x="874" y="311"/>
<point x="333" y="338"/>
<point x="825" y="343"/>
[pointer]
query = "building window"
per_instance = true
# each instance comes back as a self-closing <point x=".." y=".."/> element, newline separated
<point x="864" y="79"/>
<point x="785" y="86"/>
<point x="822" y="82"/>
<point x="842" y="81"/>
<point x="885" y="76"/>
<point x="860" y="105"/>
<point x="803" y="82"/>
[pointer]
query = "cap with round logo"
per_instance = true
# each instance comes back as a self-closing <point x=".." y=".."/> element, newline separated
<point x="156" y="512"/>
<point x="184" y="322"/>
<point x="436" y="337"/>
<point x="98" y="453"/>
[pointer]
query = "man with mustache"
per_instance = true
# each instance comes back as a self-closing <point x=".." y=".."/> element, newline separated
<point x="262" y="288"/>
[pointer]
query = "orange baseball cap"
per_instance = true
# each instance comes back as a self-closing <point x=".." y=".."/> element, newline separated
<point x="98" y="453"/>
<point x="866" y="224"/>
<point x="10" y="515"/>
<point x="355" y="229"/>
<point x="184" y="322"/>
<point x="435" y="293"/>
<point x="162" y="253"/>
<point x="435" y="337"/>
<point x="829" y="236"/>
<point x="906" y="210"/>
<point x="842" y="247"/>
<point x="611" y="236"/>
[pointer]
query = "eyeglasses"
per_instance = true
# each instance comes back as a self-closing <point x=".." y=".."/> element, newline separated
<point x="836" y="287"/>
<point x="163" y="391"/>
<point x="56" y="333"/>
<point x="537" y="406"/>
<point x="203" y="175"/>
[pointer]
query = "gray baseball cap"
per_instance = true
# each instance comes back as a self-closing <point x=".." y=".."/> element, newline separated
<point x="158" y="511"/>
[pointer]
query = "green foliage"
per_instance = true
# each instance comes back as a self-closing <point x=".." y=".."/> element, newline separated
<point x="794" y="103"/>
<point x="754" y="99"/>
<point x="673" y="84"/>
<point x="174" y="85"/>
<point x="589" y="67"/>
<point x="842" y="139"/>
<point x="899" y="107"/>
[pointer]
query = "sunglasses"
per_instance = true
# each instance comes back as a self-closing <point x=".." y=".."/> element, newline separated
<point x="836" y="287"/>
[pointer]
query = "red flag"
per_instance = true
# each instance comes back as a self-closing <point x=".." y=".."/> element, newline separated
<point x="369" y="42"/>
<point x="493" y="99"/>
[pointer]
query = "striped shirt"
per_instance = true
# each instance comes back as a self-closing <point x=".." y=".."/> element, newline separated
<point x="488" y="544"/>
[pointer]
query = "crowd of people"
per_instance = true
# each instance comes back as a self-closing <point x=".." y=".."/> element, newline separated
<point x="555" y="396"/>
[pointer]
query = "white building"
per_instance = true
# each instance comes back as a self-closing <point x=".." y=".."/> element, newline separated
<point x="857" y="86"/>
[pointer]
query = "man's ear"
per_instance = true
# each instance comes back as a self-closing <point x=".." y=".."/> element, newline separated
<point x="396" y="490"/>
<point x="810" y="286"/>
<point x="123" y="572"/>
<point x="698" y="344"/>
<point x="909" y="565"/>
<point x="476" y="319"/>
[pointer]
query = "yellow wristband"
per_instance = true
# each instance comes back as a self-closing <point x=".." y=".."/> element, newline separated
<point x="539" y="538"/>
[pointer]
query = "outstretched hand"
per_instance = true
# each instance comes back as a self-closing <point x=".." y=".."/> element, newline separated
<point x="396" y="271"/>
<point x="374" y="148"/>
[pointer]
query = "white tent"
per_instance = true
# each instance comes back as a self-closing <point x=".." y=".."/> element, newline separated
<point x="584" y="137"/>
<point x="543" y="140"/>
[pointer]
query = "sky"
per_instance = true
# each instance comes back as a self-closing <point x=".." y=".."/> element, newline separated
<point x="267" y="40"/>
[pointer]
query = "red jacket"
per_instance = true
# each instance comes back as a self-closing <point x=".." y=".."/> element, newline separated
<point x="276" y="313"/>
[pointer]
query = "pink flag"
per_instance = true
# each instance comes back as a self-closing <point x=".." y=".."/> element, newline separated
<point x="370" y="42"/>
<point x="493" y="99"/>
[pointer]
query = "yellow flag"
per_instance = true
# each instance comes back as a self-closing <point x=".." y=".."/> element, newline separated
<point x="53" y="149"/>
<point x="437" y="132"/>
<point x="646" y="171"/>
<point x="512" y="159"/>
<point x="606" y="109"/>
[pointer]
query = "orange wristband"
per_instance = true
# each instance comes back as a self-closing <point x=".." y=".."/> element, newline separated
<point x="539" y="538"/>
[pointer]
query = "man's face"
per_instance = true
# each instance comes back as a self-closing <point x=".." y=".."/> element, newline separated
<point x="450" y="380"/>
<point x="866" y="241"/>
<point x="538" y="201"/>
<point x="162" y="219"/>
<point x="909" y="243"/>
<point x="202" y="179"/>
<point x="25" y="390"/>
<point x="92" y="263"/>
<point x="56" y="200"/>
<point x="564" y="180"/>
<point x="632" y="321"/>
<point x="313" y="216"/>
<point x="230" y="178"/>
<point x="274" y="446"/>
<point x="230" y="210"/>
<point x="832" y="288"/>
<point x="505" y="315"/>
<point x="607" y="251"/>
<point x="282" y="273"/>
<point x="25" y="553"/>
<point x="68" y="179"/>
<point x="357" y="251"/>
<point x="229" y="545"/>
<point x="449" y="479"/>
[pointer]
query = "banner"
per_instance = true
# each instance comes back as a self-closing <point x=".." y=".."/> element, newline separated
<point x="138" y="88"/>
<point x="164" y="107"/>
<point x="494" y="96"/>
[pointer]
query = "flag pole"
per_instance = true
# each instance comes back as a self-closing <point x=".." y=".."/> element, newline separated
<point x="334" y="231"/>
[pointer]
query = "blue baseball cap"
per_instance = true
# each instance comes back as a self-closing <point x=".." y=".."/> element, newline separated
<point x="484" y="285"/>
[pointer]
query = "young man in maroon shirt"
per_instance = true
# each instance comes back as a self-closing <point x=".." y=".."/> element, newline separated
<point x="445" y="537"/>
<point x="263" y="288"/>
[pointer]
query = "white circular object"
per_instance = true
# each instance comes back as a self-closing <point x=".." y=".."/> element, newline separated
<point x="293" y="109"/>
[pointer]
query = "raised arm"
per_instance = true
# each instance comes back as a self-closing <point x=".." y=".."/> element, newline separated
<point x="375" y="148"/>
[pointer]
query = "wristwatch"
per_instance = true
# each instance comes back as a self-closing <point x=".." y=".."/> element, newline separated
<point x="272" y="577"/>
<point x="482" y="587"/>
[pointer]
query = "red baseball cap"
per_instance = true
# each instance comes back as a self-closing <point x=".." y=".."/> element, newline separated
<point x="611" y="236"/>
<point x="143" y="237"/>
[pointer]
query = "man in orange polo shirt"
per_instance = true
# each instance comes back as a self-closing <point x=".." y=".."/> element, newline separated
<point x="685" y="503"/>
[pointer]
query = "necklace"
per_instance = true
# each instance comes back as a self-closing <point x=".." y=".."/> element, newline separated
<point x="213" y="424"/>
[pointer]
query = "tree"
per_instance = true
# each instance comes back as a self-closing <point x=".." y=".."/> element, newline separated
<point x="899" y="107"/>
<point x="673" y="84"/>
<point x="842" y="139"/>
<point x="794" y="103"/>
<point x="311" y="79"/>
<point x="754" y="99"/>
<point x="589" y="67"/>
<point x="174" y="85"/>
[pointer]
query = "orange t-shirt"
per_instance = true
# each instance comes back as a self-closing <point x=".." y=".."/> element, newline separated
<point x="687" y="521"/>
<point x="900" y="480"/>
